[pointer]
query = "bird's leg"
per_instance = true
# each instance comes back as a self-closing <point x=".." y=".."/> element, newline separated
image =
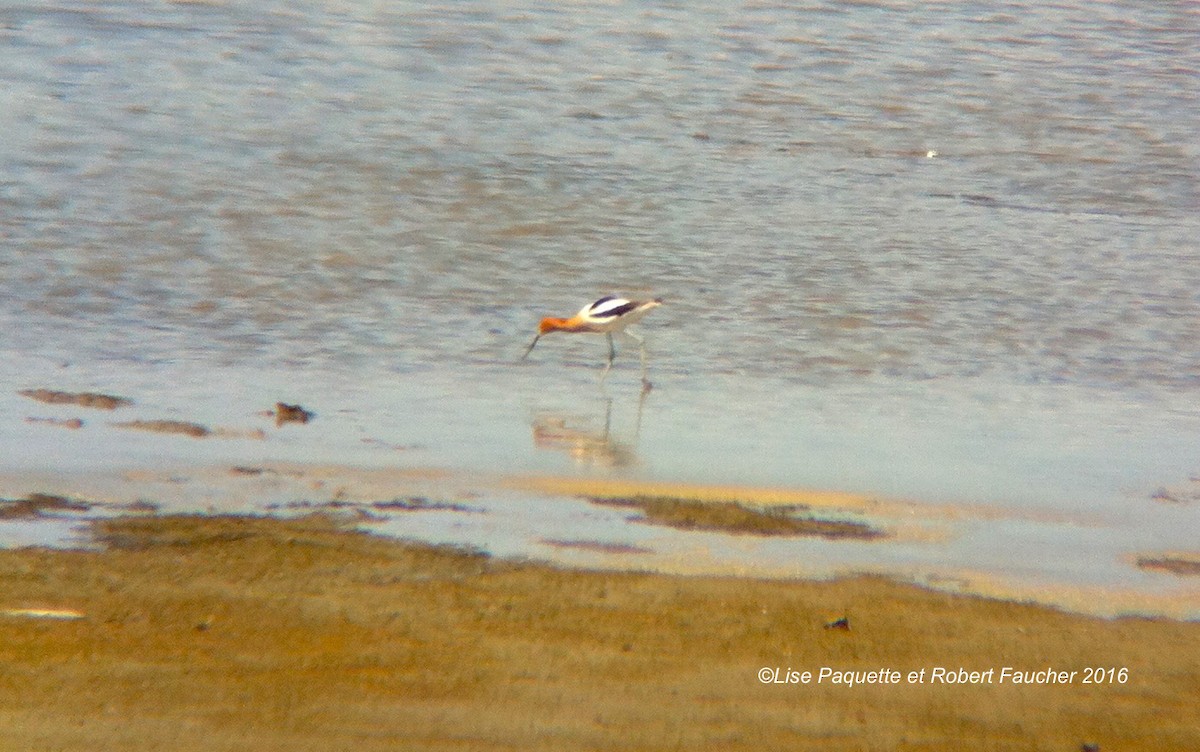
<point x="642" y="344"/>
<point x="612" y="354"/>
<point x="530" y="348"/>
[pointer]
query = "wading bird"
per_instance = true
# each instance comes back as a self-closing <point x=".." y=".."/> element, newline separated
<point x="607" y="315"/>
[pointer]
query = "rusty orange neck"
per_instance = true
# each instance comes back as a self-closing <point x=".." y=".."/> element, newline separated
<point x="561" y="325"/>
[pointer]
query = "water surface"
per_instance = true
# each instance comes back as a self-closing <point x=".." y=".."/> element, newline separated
<point x="944" y="253"/>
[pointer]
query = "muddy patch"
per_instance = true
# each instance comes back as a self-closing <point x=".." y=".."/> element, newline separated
<point x="1186" y="566"/>
<point x="37" y="505"/>
<point x="81" y="399"/>
<point x="191" y="532"/>
<point x="422" y="504"/>
<point x="595" y="546"/>
<point x="247" y="470"/>
<point x="72" y="423"/>
<point x="195" y="430"/>
<point x="285" y="413"/>
<point x="738" y="518"/>
<point x="1182" y="493"/>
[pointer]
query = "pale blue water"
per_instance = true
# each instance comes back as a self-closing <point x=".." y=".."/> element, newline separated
<point x="211" y="207"/>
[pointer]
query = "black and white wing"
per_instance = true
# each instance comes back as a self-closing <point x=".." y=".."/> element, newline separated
<point x="608" y="308"/>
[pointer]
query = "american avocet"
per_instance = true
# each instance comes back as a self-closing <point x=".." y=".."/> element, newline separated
<point x="607" y="315"/>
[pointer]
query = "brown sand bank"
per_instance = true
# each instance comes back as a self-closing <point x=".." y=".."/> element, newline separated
<point x="229" y="633"/>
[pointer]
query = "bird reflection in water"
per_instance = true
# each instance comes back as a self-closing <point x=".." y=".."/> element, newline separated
<point x="577" y="437"/>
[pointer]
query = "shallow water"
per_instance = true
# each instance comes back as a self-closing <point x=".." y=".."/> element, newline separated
<point x="945" y="253"/>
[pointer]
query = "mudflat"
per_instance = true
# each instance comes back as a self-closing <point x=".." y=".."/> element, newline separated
<point x="233" y="633"/>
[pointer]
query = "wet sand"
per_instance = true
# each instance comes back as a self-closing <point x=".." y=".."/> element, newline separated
<point x="228" y="632"/>
<point x="619" y="524"/>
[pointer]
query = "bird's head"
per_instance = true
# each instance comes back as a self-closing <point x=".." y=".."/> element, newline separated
<point x="548" y="325"/>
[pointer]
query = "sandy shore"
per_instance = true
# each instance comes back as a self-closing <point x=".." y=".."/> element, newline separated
<point x="220" y="633"/>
